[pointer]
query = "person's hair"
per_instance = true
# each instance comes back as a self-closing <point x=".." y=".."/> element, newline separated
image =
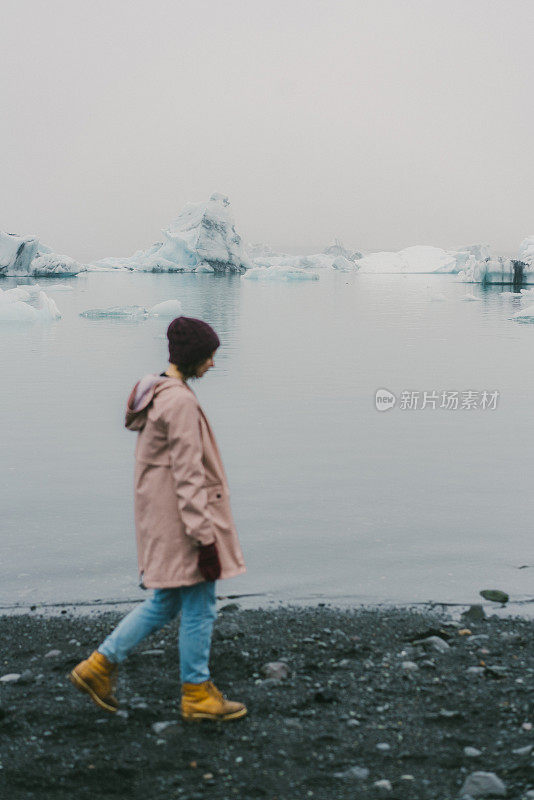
<point x="189" y="370"/>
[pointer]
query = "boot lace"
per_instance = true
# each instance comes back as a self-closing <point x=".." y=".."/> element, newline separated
<point x="214" y="691"/>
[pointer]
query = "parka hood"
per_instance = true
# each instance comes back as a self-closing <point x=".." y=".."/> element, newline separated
<point x="142" y="396"/>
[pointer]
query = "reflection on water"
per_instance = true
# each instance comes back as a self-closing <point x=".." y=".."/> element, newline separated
<point x="330" y="496"/>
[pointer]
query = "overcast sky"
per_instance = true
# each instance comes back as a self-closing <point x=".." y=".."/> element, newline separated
<point x="387" y="123"/>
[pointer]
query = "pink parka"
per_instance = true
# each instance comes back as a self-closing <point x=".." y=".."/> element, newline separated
<point x="182" y="498"/>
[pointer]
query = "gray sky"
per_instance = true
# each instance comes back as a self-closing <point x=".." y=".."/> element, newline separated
<point x="387" y="123"/>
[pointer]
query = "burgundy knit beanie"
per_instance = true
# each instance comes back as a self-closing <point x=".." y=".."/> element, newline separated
<point x="190" y="340"/>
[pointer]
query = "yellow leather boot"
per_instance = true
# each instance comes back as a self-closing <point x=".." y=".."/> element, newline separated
<point x="205" y="701"/>
<point x="97" y="677"/>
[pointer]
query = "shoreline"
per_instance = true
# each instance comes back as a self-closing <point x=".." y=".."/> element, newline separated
<point x="520" y="608"/>
<point x="364" y="712"/>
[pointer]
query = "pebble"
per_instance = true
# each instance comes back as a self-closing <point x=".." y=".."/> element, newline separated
<point x="275" y="669"/>
<point x="383" y="784"/>
<point x="409" y="666"/>
<point x="53" y="654"/>
<point x="434" y="643"/>
<point x="383" y="747"/>
<point x="527" y="726"/>
<point x="495" y="595"/>
<point x="12" y="677"/>
<point x="159" y="727"/>
<point x="472" y="752"/>
<point x="483" y="784"/>
<point x="353" y="773"/>
<point x="353" y="723"/>
<point x="474" y="612"/>
<point x="229" y="607"/>
<point x="530" y="795"/>
<point x="228" y="630"/>
<point x="475" y="670"/>
<point x="122" y="714"/>
<point x="407" y="778"/>
<point x="523" y="751"/>
<point x="153" y="652"/>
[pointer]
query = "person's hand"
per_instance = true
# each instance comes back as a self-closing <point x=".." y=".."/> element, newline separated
<point x="208" y="562"/>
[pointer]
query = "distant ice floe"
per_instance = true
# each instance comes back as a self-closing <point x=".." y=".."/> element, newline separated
<point x="52" y="265"/>
<point x="482" y="267"/>
<point x="167" y="309"/>
<point x="27" y="304"/>
<point x="525" y="315"/>
<point x="337" y="248"/>
<point x="526" y="251"/>
<point x="279" y="272"/>
<point x="470" y="297"/>
<point x="203" y="237"/>
<point x="23" y="256"/>
<point x="417" y="259"/>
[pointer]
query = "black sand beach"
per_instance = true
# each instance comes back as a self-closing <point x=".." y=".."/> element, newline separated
<point x="350" y="700"/>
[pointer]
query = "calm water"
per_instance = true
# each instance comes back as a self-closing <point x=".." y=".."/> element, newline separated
<point x="331" y="497"/>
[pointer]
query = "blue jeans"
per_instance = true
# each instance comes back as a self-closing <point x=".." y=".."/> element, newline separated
<point x="198" y="606"/>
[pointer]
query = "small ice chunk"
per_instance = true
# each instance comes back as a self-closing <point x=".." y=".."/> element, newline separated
<point x="168" y="308"/>
<point x="27" y="304"/>
<point x="280" y="273"/>
<point x="116" y="312"/>
<point x="525" y="315"/>
<point x="470" y="297"/>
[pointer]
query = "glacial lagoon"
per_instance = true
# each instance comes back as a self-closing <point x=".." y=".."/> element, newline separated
<point x="333" y="499"/>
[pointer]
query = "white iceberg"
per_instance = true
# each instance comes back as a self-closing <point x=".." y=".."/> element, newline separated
<point x="26" y="256"/>
<point x="481" y="252"/>
<point x="16" y="254"/>
<point x="54" y="265"/>
<point x="27" y="304"/>
<point x="116" y="312"/>
<point x="202" y="235"/>
<point x="168" y="308"/>
<point x="497" y="270"/>
<point x="315" y="261"/>
<point x="279" y="272"/>
<point x="417" y="259"/>
<point x="526" y="251"/>
<point x="337" y="248"/>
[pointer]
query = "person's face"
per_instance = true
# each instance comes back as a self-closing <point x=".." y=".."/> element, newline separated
<point x="206" y="365"/>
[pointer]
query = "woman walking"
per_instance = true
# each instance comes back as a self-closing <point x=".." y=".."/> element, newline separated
<point x="186" y="537"/>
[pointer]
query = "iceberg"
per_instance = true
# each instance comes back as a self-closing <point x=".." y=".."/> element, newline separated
<point x="27" y="304"/>
<point x="26" y="256"/>
<point x="481" y="252"/>
<point x="497" y="270"/>
<point x="316" y="261"/>
<point x="168" y="309"/>
<point x="116" y="312"/>
<point x="526" y="253"/>
<point x="279" y="272"/>
<point x="202" y="235"/>
<point x="17" y="253"/>
<point x="337" y="248"/>
<point x="53" y="265"/>
<point x="417" y="259"/>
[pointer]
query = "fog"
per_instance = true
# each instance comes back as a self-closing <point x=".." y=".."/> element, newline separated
<point x="388" y="124"/>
